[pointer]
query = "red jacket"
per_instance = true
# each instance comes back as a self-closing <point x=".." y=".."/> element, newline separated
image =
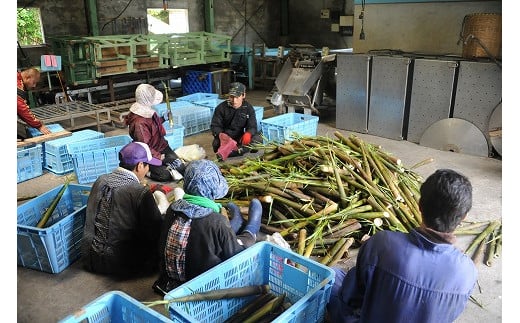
<point x="23" y="109"/>
<point x="148" y="130"/>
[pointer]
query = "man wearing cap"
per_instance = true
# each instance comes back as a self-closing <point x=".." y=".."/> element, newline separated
<point x="123" y="219"/>
<point x="145" y="125"/>
<point x="233" y="124"/>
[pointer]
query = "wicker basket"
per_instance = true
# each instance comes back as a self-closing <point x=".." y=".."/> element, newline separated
<point x="482" y="35"/>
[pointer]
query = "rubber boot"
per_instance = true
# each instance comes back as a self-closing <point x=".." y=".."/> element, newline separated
<point x="254" y="217"/>
<point x="236" y="220"/>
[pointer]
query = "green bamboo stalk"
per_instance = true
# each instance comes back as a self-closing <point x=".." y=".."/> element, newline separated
<point x="346" y="141"/>
<point x="309" y="248"/>
<point x="326" y="211"/>
<point x="269" y="307"/>
<point x="479" y="253"/>
<point x="490" y="228"/>
<point x="47" y="214"/>
<point x="491" y="251"/>
<point x="388" y="177"/>
<point x="341" y="225"/>
<point x="325" y="260"/>
<point x="394" y="221"/>
<point x="339" y="254"/>
<point x="471" y="226"/>
<point x="341" y="189"/>
<point x="301" y="241"/>
<point x="215" y="295"/>
<point x="250" y="308"/>
<point x="422" y="163"/>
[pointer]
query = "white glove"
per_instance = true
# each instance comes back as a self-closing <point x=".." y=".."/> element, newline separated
<point x="178" y="193"/>
<point x="161" y="200"/>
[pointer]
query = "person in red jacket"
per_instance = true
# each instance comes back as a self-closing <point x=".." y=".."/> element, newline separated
<point x="27" y="80"/>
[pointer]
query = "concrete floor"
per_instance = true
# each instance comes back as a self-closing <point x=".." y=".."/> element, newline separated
<point x="44" y="297"/>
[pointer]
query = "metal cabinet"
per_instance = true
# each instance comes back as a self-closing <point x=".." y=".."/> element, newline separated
<point x="352" y="90"/>
<point x="388" y="114"/>
<point x="479" y="91"/>
<point x="431" y="94"/>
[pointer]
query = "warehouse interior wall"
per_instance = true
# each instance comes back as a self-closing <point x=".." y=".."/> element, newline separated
<point x="426" y="27"/>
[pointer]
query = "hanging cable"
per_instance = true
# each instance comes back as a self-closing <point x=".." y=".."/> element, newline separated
<point x="129" y="2"/>
<point x="362" y="17"/>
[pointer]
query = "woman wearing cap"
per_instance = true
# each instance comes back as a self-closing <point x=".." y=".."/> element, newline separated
<point x="195" y="236"/>
<point x="122" y="218"/>
<point x="233" y="124"/>
<point x="145" y="125"/>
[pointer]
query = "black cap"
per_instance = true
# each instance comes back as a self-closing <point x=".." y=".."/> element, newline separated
<point x="237" y="89"/>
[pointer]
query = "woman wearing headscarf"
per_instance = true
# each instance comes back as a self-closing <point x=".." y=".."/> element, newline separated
<point x="145" y="125"/>
<point x="195" y="235"/>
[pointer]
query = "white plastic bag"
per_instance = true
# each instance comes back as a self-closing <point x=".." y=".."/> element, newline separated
<point x="191" y="152"/>
<point x="277" y="239"/>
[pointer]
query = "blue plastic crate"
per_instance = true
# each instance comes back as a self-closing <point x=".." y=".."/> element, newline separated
<point x="55" y="127"/>
<point x="55" y="247"/>
<point x="161" y="108"/>
<point x="259" y="113"/>
<point x="57" y="158"/>
<point x="210" y="103"/>
<point x="306" y="283"/>
<point x="29" y="162"/>
<point x="92" y="158"/>
<point x="199" y="96"/>
<point x="174" y="136"/>
<point x="197" y="81"/>
<point x="115" y="306"/>
<point x="286" y="126"/>
<point x="194" y="119"/>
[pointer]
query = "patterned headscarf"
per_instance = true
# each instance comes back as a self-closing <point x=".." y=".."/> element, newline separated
<point x="145" y="97"/>
<point x="203" y="178"/>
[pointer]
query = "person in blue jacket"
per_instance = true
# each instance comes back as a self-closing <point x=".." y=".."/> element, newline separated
<point x="418" y="276"/>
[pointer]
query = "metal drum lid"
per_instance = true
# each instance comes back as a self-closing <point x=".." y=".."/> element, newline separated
<point x="495" y="128"/>
<point x="456" y="135"/>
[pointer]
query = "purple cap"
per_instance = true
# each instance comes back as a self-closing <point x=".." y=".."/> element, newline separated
<point x="136" y="152"/>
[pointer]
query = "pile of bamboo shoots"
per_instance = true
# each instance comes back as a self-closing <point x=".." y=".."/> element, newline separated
<point x="328" y="194"/>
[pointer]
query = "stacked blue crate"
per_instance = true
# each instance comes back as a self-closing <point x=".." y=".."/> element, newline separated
<point x="29" y="162"/>
<point x="174" y="135"/>
<point x="161" y="108"/>
<point x="197" y="81"/>
<point x="57" y="158"/>
<point x="198" y="96"/>
<point x="210" y="103"/>
<point x="194" y="119"/>
<point x="92" y="158"/>
<point x="288" y="126"/>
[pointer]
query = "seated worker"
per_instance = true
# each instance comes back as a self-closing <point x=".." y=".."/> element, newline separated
<point x="145" y="125"/>
<point x="123" y="219"/>
<point x="195" y="236"/>
<point x="418" y="276"/>
<point x="233" y="124"/>
<point x="27" y="80"/>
